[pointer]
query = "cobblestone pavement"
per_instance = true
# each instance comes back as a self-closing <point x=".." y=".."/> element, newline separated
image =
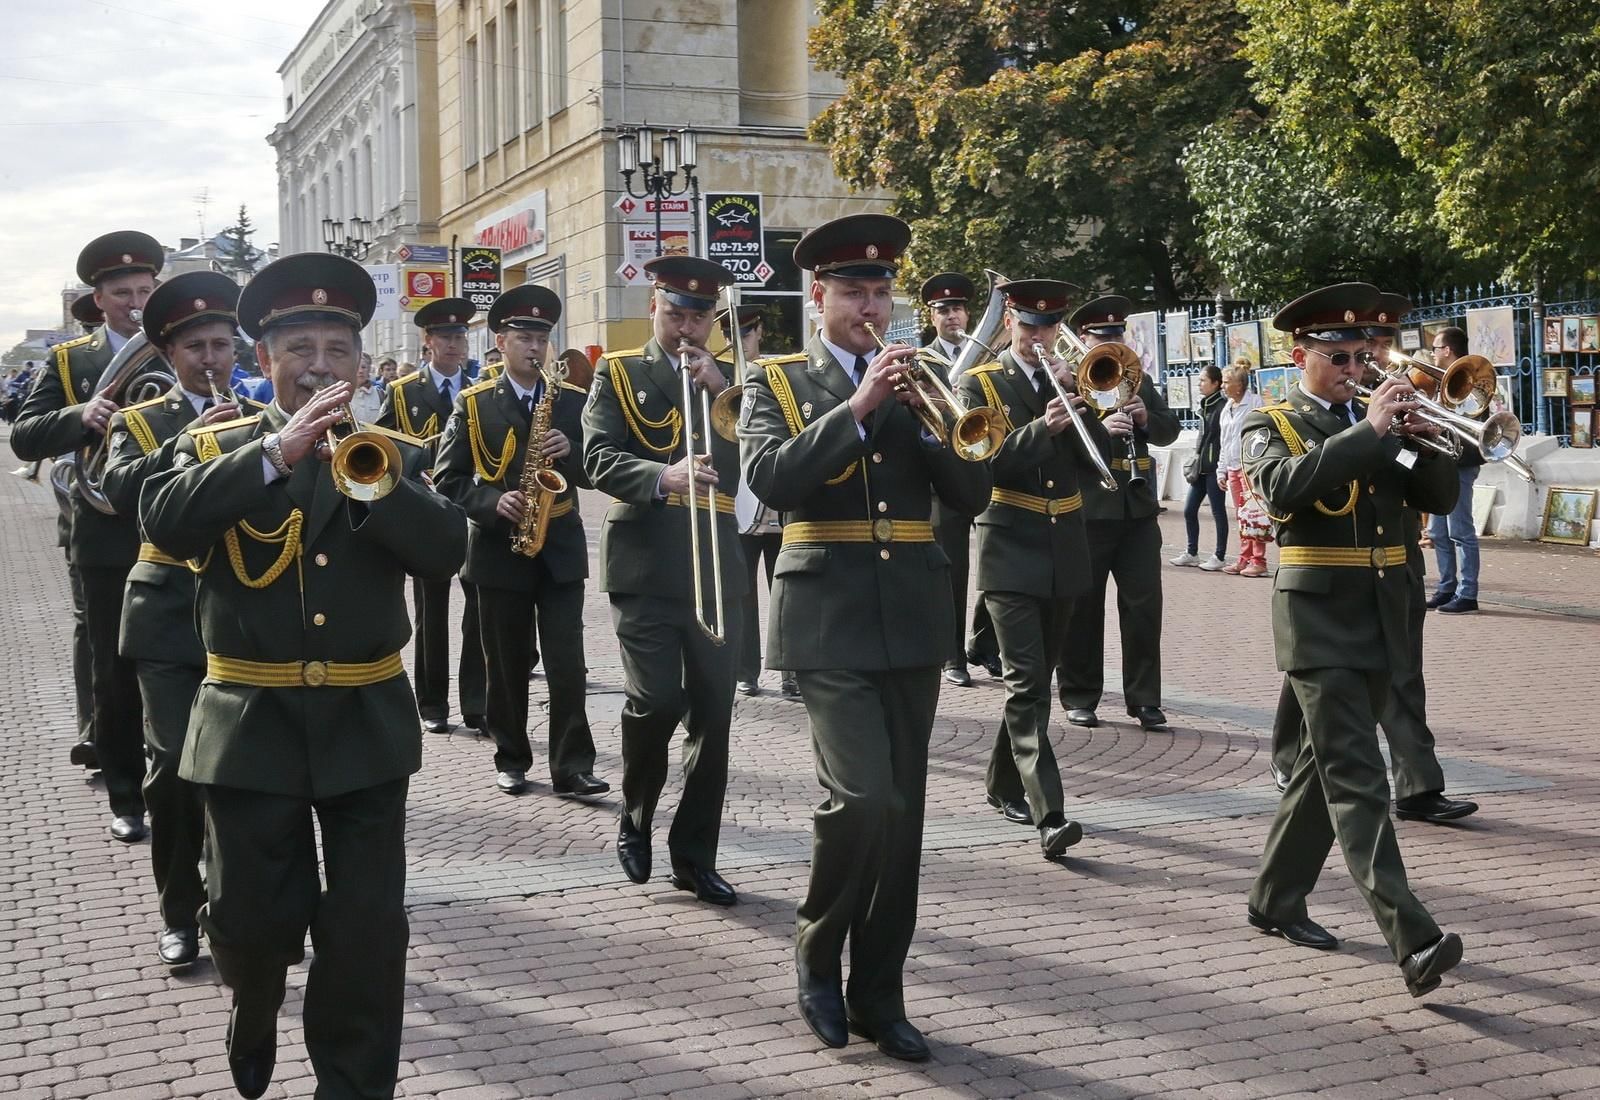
<point x="536" y="969"/>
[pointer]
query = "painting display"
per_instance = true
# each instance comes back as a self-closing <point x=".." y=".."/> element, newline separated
<point x="1492" y="333"/>
<point x="1569" y="333"/>
<point x="1552" y="336"/>
<point x="1583" y="428"/>
<point x="1178" y="388"/>
<point x="1581" y="388"/>
<point x="1272" y="383"/>
<point x="1200" y="347"/>
<point x="1244" y="342"/>
<point x="1141" y="337"/>
<point x="1589" y="334"/>
<point x="1177" y="337"/>
<point x="1277" y="347"/>
<point x="1554" y="382"/>
<point x="1504" y="399"/>
<point x="1567" y="515"/>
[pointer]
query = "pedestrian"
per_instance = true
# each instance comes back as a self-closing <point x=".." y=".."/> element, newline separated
<point x="1455" y="536"/>
<point x="1254" y="530"/>
<point x="368" y="399"/>
<point x="1204" y="484"/>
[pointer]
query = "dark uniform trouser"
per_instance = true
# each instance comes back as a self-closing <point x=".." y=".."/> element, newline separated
<point x="177" y="820"/>
<point x="954" y="533"/>
<point x="118" y="717"/>
<point x="1338" y="790"/>
<point x="673" y="673"/>
<point x="507" y="620"/>
<point x="432" y="647"/>
<point x="82" y="660"/>
<point x="1023" y="762"/>
<point x="1130" y="551"/>
<point x="1404" y="717"/>
<point x="869" y="733"/>
<point x="758" y="549"/>
<point x="264" y="893"/>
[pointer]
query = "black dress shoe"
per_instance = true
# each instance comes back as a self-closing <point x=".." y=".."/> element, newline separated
<point x="1459" y="606"/>
<point x="128" y="828"/>
<point x="511" y="781"/>
<point x="1055" y="839"/>
<point x="1423" y="969"/>
<point x="1150" y="718"/>
<point x="83" y="755"/>
<point x="789" y="686"/>
<point x="582" y="785"/>
<point x="251" y="1067"/>
<point x="989" y="663"/>
<point x="1280" y="779"/>
<point x="1302" y="933"/>
<point x="897" y="1039"/>
<point x="178" y="946"/>
<point x="1441" y="597"/>
<point x="475" y="722"/>
<point x="748" y="687"/>
<point x="957" y="675"/>
<point x="704" y="883"/>
<point x="1433" y="807"/>
<point x="1014" y="810"/>
<point x="1083" y="716"/>
<point x="436" y="725"/>
<point x="822" y="1008"/>
<point x="633" y="850"/>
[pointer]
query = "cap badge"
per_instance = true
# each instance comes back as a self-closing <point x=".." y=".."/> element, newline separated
<point x="1383" y="317"/>
<point x="1349" y="315"/>
<point x="533" y="311"/>
<point x="1040" y="304"/>
<point x="319" y="296"/>
<point x="694" y="284"/>
<point x="451" y="318"/>
<point x="127" y="259"/>
<point x="872" y="252"/>
<point x="199" y="304"/>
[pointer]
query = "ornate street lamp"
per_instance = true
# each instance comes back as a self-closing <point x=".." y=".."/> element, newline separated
<point x="659" y="170"/>
<point x="352" y="240"/>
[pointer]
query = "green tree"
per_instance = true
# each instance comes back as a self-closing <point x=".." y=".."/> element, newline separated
<point x="237" y="256"/>
<point x="1041" y="139"/>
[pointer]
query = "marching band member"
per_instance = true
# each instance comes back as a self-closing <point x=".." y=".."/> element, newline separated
<point x="1124" y="544"/>
<point x="484" y="465"/>
<point x="191" y="319"/>
<point x="419" y="404"/>
<point x="1337" y="481"/>
<point x="861" y="612"/>
<point x="305" y="725"/>
<point x="1033" y="556"/>
<point x="638" y="447"/>
<point x="61" y="414"/>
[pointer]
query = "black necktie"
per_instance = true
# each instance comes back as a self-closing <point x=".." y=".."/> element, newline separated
<point x="1342" y="411"/>
<point x="861" y="369"/>
<point x="1039" y="383"/>
<point x="444" y="391"/>
<point x="527" y="407"/>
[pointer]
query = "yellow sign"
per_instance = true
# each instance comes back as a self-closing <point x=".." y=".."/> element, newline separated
<point x="421" y="284"/>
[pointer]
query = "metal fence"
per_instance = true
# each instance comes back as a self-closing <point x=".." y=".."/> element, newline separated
<point x="1546" y="352"/>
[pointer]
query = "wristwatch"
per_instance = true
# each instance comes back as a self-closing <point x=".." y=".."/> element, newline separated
<point x="274" y="453"/>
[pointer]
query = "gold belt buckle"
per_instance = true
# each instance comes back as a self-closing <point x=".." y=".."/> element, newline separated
<point x="883" y="530"/>
<point x="314" y="673"/>
<point x="1379" y="557"/>
<point x="1052" y="507"/>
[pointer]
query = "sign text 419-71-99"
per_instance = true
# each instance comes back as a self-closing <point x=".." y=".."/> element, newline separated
<point x="480" y="276"/>
<point x="733" y="236"/>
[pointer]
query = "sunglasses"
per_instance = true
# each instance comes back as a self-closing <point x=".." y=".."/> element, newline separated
<point x="1345" y="358"/>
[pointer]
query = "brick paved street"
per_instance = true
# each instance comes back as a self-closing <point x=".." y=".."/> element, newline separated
<point x="536" y="969"/>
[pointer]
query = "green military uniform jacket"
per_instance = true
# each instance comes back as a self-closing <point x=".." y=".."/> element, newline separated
<point x="632" y="431"/>
<point x="1161" y="428"/>
<point x="481" y="458"/>
<point x="866" y="605"/>
<point x="1338" y="497"/>
<point x="412" y="404"/>
<point x="293" y="571"/>
<point x="1031" y="538"/>
<point x="50" y="423"/>
<point x="158" y="609"/>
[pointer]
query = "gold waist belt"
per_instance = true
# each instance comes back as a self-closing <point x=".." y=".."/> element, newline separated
<point x="151" y="553"/>
<point x="859" y="530"/>
<point x="1122" y="464"/>
<point x="724" y="502"/>
<point x="1360" y="557"/>
<point x="286" y="674"/>
<point x="1045" y="506"/>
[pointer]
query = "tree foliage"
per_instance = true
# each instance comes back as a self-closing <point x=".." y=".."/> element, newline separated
<point x="1042" y="139"/>
<point x="237" y="256"/>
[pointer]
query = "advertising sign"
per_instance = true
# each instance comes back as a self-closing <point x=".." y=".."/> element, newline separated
<point x="420" y="285"/>
<point x="639" y="245"/>
<point x="480" y="276"/>
<point x="518" y="231"/>
<point x="645" y="209"/>
<point x="733" y="236"/>
<point x="386" y="277"/>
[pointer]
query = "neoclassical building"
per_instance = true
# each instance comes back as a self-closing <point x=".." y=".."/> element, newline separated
<point x="359" y="137"/>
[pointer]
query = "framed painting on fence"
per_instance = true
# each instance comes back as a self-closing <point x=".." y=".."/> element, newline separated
<point x="1411" y="339"/>
<point x="1567" y="515"/>
<point x="1244" y="342"/>
<point x="1291" y="381"/>
<point x="1178" y="391"/>
<point x="1492" y="333"/>
<point x="1552" y="336"/>
<point x="1200" y="347"/>
<point x="1141" y="337"/>
<point x="1569" y="333"/>
<point x="1589" y="334"/>
<point x="1554" y="382"/>
<point x="1276" y="347"/>
<point x="1503" y="399"/>
<point x="1271" y="383"/>
<point x="1178" y="337"/>
<point x="1581" y="389"/>
<point x="1583" y="428"/>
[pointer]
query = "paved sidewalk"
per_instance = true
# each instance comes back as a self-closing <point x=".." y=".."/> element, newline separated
<point x="536" y="969"/>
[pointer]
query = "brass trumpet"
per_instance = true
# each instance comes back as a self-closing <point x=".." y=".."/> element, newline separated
<point x="1496" y="436"/>
<point x="1108" y="481"/>
<point x="1466" y="386"/>
<point x="716" y="631"/>
<point x="365" y="465"/>
<point x="973" y="434"/>
<point x="1109" y="376"/>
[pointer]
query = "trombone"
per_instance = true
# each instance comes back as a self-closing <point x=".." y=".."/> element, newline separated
<point x="1112" y="372"/>
<point x="365" y="465"/>
<point x="721" y="419"/>
<point x="1108" y="481"/>
<point x="1495" y="436"/>
<point x="973" y="434"/>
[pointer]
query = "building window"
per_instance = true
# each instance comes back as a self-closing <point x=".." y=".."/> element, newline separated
<point x="558" y="58"/>
<point x="513" y="72"/>
<point x="491" y="86"/>
<point x="535" y="86"/>
<point x="469" y="102"/>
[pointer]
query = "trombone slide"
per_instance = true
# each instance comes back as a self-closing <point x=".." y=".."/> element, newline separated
<point x="715" y="631"/>
<point x="1108" y="480"/>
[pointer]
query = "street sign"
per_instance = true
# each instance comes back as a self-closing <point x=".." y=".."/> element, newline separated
<point x="639" y="245"/>
<point x="421" y="285"/>
<point x="480" y="276"/>
<point x="424" y="253"/>
<point x="386" y="278"/>
<point x="646" y="208"/>
<point x="733" y="235"/>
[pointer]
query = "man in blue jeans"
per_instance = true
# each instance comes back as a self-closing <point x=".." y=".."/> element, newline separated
<point x="1455" y="534"/>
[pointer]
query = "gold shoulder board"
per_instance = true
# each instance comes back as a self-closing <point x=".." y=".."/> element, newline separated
<point x="479" y="387"/>
<point x="626" y="353"/>
<point x="403" y="379"/>
<point x="211" y="429"/>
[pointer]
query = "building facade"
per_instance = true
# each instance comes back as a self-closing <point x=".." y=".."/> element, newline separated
<point x="360" y="137"/>
<point x="531" y="95"/>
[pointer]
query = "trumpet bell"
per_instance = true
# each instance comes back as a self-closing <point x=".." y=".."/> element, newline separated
<point x="977" y="435"/>
<point x="1468" y="385"/>
<point x="1501" y="434"/>
<point x="1109" y="368"/>
<point x="725" y="412"/>
<point x="366" y="466"/>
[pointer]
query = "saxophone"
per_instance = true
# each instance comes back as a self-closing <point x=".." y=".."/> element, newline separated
<point x="540" y="484"/>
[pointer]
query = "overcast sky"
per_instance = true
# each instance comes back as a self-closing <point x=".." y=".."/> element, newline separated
<point x="119" y="114"/>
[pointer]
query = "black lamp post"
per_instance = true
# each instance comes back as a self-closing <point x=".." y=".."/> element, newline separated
<point x="637" y="152"/>
<point x="352" y="241"/>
